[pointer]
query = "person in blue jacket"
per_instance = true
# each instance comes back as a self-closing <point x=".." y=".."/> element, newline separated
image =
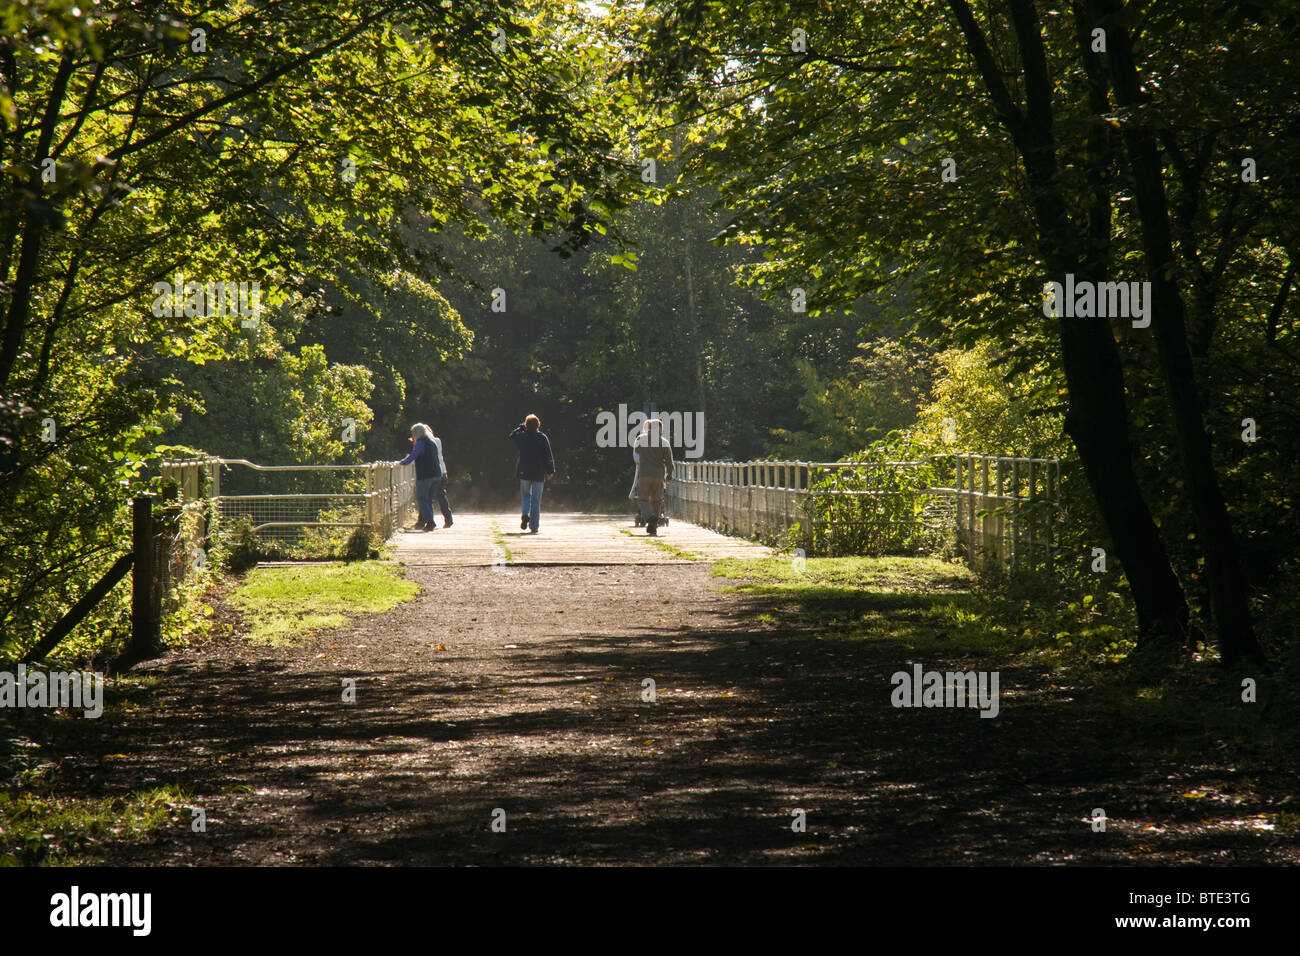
<point x="533" y="467"/>
<point x="428" y="473"/>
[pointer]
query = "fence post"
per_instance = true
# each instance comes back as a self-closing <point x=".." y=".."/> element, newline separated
<point x="211" y="506"/>
<point x="392" y="498"/>
<point x="749" y="499"/>
<point x="968" y="496"/>
<point x="1052" y="482"/>
<point x="1002" y="510"/>
<point x="146" y="610"/>
<point x="1033" y="514"/>
<point x="369" y="511"/>
<point x="959" y="502"/>
<point x="986" y="522"/>
<point x="1015" y="515"/>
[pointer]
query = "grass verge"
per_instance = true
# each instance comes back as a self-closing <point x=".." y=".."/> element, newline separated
<point x="283" y="605"/>
<point x="935" y="610"/>
<point x="665" y="546"/>
<point x="43" y="830"/>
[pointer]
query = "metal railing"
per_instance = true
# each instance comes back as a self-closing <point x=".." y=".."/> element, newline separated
<point x="1008" y="518"/>
<point x="385" y="493"/>
<point x="1002" y="510"/>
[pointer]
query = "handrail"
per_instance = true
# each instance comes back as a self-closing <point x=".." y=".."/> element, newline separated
<point x="858" y="464"/>
<point x="249" y="464"/>
<point x="1002" y="508"/>
<point x="321" y="494"/>
<point x="387" y="494"/>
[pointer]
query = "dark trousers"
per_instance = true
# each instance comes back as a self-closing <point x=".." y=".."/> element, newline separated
<point x="425" y="490"/>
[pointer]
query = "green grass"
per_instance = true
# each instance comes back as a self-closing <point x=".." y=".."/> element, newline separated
<point x="39" y="830"/>
<point x="777" y="574"/>
<point x="921" y="604"/>
<point x="665" y="546"/>
<point x="1031" y="619"/>
<point x="283" y="605"/>
<point x="934" y="609"/>
<point x="500" y="540"/>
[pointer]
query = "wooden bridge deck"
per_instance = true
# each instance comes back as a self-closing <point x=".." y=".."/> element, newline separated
<point x="565" y="538"/>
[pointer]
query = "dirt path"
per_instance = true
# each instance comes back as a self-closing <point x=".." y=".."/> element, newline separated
<point x="520" y="688"/>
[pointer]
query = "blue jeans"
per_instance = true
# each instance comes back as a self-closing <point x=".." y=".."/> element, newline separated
<point x="531" y="494"/>
<point x="426" y="489"/>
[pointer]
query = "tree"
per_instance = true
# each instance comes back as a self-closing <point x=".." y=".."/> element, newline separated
<point x="842" y="149"/>
<point x="257" y="142"/>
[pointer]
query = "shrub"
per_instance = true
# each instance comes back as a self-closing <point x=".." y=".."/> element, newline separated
<point x="876" y="506"/>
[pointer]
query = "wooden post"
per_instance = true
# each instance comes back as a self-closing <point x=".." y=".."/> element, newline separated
<point x="146" y="613"/>
<point x="1015" y="515"/>
<point x="785" y="496"/>
<point x="1000" y="469"/>
<point x="1033" y="513"/>
<point x="967" y="476"/>
<point x="368" y="513"/>
<point x="1052" y="479"/>
<point x="963" y="503"/>
<point x="986" y="522"/>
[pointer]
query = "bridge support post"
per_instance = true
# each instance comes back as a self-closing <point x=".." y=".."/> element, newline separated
<point x="146" y="609"/>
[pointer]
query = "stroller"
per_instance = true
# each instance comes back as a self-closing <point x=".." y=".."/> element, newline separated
<point x="662" y="518"/>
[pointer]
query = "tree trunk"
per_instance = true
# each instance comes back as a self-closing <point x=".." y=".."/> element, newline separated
<point x="1229" y="592"/>
<point x="1097" y="418"/>
<point x="33" y="230"/>
<point x="692" y="313"/>
<point x="1097" y="422"/>
<point x="697" y="344"/>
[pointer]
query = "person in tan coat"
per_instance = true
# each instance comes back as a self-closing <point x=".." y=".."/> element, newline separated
<point x="654" y="470"/>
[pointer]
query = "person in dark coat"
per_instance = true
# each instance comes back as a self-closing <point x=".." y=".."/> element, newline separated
<point x="534" y="466"/>
<point x="428" y="473"/>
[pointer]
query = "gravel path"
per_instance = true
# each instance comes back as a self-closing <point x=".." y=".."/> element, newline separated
<point x="520" y="689"/>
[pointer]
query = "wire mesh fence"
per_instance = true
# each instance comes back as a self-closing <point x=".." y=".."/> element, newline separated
<point x="376" y="497"/>
<point x="288" y="518"/>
